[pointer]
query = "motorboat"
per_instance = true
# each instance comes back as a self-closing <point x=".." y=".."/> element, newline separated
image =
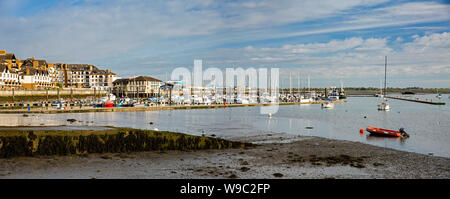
<point x="306" y="100"/>
<point x="387" y="133"/>
<point x="328" y="104"/>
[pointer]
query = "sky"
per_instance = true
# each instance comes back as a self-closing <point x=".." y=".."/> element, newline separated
<point x="330" y="41"/>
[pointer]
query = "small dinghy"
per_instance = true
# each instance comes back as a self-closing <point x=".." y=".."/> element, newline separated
<point x="387" y="133"/>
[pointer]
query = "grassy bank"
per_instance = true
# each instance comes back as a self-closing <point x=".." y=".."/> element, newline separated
<point x="117" y="140"/>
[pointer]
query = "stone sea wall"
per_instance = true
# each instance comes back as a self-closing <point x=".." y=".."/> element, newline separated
<point x="15" y="143"/>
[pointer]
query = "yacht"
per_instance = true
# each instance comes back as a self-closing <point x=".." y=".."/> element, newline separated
<point x="384" y="106"/>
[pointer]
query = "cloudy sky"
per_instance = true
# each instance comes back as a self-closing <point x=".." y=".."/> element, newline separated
<point x="328" y="40"/>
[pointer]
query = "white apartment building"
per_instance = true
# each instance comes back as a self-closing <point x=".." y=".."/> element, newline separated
<point x="8" y="78"/>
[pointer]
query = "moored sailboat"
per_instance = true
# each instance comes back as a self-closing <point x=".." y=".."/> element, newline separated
<point x="384" y="105"/>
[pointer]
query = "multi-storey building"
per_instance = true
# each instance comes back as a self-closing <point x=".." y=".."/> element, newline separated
<point x="84" y="76"/>
<point x="33" y="73"/>
<point x="143" y="86"/>
<point x="31" y="78"/>
<point x="8" y="78"/>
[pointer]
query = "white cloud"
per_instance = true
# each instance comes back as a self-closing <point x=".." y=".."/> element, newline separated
<point x="153" y="33"/>
<point x="352" y="57"/>
<point x="89" y="31"/>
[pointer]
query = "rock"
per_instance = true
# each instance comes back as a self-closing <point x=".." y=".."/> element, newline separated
<point x="358" y="165"/>
<point x="244" y="163"/>
<point x="151" y="123"/>
<point x="309" y="127"/>
<point x="232" y="176"/>
<point x="278" y="175"/>
<point x="71" y="120"/>
<point x="244" y="169"/>
<point x="377" y="164"/>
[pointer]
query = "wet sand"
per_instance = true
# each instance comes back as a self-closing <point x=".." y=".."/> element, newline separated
<point x="304" y="157"/>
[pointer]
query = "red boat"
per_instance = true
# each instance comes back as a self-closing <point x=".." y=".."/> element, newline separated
<point x="109" y="104"/>
<point x="385" y="132"/>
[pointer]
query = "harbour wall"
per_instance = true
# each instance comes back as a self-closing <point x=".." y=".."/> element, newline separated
<point x="15" y="143"/>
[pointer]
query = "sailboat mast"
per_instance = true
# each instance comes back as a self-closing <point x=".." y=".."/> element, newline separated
<point x="299" y="89"/>
<point x="309" y="85"/>
<point x="385" y="69"/>
<point x="290" y="83"/>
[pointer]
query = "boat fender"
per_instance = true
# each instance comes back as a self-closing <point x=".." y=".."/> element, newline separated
<point x="361" y="131"/>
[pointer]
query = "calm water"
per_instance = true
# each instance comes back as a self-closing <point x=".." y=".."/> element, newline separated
<point x="428" y="125"/>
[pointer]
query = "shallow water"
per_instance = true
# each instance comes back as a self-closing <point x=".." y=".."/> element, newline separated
<point x="428" y="125"/>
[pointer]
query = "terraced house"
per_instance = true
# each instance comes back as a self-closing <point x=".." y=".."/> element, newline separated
<point x="34" y="73"/>
<point x="8" y="78"/>
<point x="37" y="74"/>
<point x="9" y="66"/>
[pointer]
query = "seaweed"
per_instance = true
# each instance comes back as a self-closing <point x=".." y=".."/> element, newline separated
<point x="119" y="140"/>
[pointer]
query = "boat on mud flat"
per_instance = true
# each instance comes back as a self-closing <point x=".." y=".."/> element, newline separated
<point x="387" y="133"/>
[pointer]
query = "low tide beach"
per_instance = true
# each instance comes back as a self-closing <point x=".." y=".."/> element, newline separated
<point x="306" y="157"/>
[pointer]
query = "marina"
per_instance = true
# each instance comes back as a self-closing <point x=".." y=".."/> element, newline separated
<point x="427" y="125"/>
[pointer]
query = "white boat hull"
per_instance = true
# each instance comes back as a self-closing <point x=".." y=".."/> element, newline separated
<point x="327" y="105"/>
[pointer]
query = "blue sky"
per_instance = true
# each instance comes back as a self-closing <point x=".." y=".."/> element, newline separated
<point x="327" y="40"/>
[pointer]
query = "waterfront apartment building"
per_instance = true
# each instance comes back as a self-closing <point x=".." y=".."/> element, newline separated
<point x="32" y="78"/>
<point x="143" y="86"/>
<point x="84" y="76"/>
<point x="34" y="73"/>
<point x="8" y="78"/>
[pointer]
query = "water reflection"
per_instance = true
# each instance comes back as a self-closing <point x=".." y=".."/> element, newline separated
<point x="373" y="138"/>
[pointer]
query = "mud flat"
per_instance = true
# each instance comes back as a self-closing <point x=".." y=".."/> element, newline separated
<point x="276" y="156"/>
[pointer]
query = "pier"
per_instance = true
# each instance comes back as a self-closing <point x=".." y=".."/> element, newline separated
<point x="417" y="100"/>
<point x="70" y="108"/>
